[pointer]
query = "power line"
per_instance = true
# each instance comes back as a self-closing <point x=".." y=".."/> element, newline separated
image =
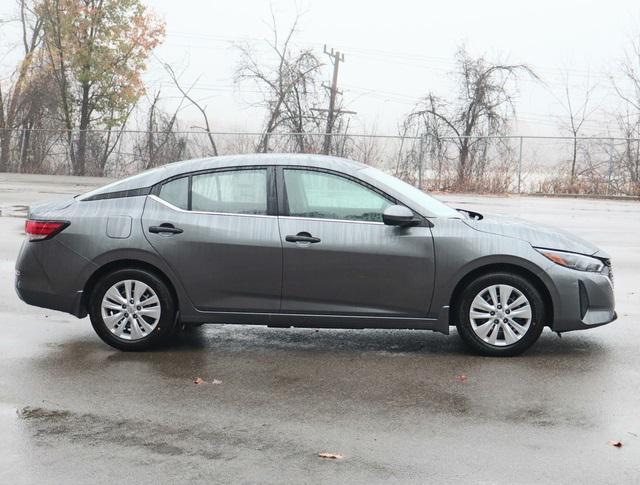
<point x="395" y="55"/>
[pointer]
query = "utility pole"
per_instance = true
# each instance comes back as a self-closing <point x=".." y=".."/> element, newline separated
<point x="520" y="167"/>
<point x="336" y="57"/>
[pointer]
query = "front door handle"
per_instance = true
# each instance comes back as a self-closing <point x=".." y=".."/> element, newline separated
<point x="165" y="228"/>
<point x="302" y="237"/>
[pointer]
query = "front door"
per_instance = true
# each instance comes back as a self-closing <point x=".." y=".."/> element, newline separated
<point x="217" y="232"/>
<point x="338" y="256"/>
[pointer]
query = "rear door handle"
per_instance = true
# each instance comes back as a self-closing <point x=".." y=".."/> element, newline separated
<point x="165" y="228"/>
<point x="302" y="237"/>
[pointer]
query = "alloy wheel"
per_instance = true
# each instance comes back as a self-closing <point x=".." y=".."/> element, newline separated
<point x="500" y="315"/>
<point x="130" y="309"/>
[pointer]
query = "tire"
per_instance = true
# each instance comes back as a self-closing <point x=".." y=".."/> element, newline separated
<point x="501" y="333"/>
<point x="142" y="325"/>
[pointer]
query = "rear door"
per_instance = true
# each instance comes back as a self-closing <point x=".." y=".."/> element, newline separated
<point x="219" y="233"/>
<point x="339" y="257"/>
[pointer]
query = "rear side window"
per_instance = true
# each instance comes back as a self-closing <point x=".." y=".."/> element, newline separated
<point x="176" y="192"/>
<point x="326" y="196"/>
<point x="232" y="192"/>
<point x="236" y="192"/>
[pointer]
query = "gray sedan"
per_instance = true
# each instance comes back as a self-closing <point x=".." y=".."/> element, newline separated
<point x="303" y="241"/>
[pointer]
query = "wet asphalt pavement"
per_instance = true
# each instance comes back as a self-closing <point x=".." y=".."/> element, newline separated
<point x="73" y="410"/>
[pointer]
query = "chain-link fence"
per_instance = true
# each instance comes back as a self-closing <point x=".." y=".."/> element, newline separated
<point x="526" y="164"/>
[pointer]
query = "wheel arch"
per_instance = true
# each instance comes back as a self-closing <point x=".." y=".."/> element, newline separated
<point x="124" y="264"/>
<point x="529" y="275"/>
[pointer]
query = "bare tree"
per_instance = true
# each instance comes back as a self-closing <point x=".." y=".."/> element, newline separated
<point x="578" y="111"/>
<point x="430" y="140"/>
<point x="37" y="132"/>
<point x="12" y="97"/>
<point x="628" y="90"/>
<point x="196" y="104"/>
<point x="288" y="86"/>
<point x="367" y="149"/>
<point x="161" y="143"/>
<point x="482" y="107"/>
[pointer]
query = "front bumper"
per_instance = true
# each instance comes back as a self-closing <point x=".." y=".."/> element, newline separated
<point x="581" y="299"/>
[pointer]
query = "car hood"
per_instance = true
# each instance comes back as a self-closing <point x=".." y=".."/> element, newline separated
<point x="537" y="234"/>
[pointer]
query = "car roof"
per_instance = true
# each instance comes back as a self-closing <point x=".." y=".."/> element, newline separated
<point x="158" y="174"/>
<point x="309" y="160"/>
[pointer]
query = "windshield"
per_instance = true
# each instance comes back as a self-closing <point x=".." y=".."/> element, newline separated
<point x="431" y="206"/>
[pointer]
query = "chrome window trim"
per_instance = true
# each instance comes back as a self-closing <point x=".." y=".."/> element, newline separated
<point x="186" y="211"/>
<point x="332" y="220"/>
<point x="268" y="169"/>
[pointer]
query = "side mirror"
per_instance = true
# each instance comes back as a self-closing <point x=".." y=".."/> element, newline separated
<point x="398" y="215"/>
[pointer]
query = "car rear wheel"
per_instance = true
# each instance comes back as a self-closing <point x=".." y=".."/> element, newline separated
<point x="132" y="309"/>
<point x="500" y="314"/>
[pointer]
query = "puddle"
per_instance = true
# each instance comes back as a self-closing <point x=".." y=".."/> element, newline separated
<point x="29" y="413"/>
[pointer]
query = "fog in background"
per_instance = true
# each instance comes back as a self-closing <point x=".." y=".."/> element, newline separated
<point x="395" y="52"/>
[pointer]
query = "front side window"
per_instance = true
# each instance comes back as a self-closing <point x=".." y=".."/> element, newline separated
<point x="234" y="191"/>
<point x="326" y="196"/>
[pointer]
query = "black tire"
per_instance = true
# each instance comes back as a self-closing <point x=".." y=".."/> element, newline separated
<point x="165" y="326"/>
<point x="463" y="319"/>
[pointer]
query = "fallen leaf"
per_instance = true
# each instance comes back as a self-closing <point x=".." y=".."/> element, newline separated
<point x="216" y="381"/>
<point x="617" y="444"/>
<point x="199" y="380"/>
<point x="461" y="378"/>
<point x="330" y="456"/>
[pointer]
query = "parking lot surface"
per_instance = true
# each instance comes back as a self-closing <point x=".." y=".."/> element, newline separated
<point x="400" y="406"/>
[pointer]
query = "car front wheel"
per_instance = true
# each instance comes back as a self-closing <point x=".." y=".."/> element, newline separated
<point x="132" y="309"/>
<point x="500" y="314"/>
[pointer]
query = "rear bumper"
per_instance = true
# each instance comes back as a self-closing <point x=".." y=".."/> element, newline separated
<point x="47" y="299"/>
<point x="46" y="275"/>
<point x="582" y="300"/>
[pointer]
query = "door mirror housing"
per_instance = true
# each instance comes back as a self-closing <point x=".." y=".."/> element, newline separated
<point x="398" y="215"/>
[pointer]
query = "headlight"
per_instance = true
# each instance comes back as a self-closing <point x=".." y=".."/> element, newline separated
<point x="572" y="260"/>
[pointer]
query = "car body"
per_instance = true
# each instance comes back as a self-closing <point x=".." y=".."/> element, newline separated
<point x="303" y="240"/>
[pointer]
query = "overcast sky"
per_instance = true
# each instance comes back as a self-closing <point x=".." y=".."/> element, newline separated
<point x="396" y="51"/>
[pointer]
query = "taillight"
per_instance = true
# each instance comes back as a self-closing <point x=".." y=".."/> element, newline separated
<point x="40" y="230"/>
